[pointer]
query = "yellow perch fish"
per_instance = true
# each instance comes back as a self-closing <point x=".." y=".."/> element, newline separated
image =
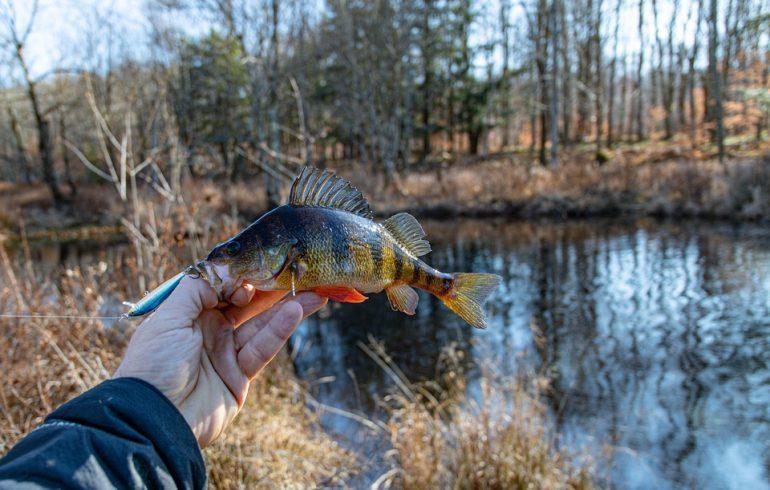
<point x="324" y="240"/>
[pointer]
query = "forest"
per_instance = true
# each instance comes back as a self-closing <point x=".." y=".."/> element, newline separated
<point x="258" y="88"/>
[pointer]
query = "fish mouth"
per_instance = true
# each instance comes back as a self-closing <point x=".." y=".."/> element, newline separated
<point x="218" y="276"/>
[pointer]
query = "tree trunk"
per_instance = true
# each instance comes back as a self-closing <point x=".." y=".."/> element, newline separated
<point x="21" y="153"/>
<point x="474" y="137"/>
<point x="691" y="75"/>
<point x="625" y="125"/>
<point x="66" y="157"/>
<point x="272" y="185"/>
<point x="715" y="90"/>
<point x="640" y="129"/>
<point x="567" y="81"/>
<point x="596" y="45"/>
<point x="427" y="67"/>
<point x="43" y="133"/>
<point x="542" y="78"/>
<point x="554" y="98"/>
<point x="505" y="84"/>
<point x="611" y="85"/>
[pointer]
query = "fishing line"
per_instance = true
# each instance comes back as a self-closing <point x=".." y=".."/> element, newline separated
<point x="70" y="317"/>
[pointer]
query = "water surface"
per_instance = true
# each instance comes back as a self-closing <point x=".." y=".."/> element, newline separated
<point x="656" y="338"/>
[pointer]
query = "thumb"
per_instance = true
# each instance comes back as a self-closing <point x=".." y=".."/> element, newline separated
<point x="184" y="305"/>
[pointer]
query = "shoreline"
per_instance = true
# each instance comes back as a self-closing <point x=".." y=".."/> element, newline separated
<point x="116" y="233"/>
<point x="497" y="187"/>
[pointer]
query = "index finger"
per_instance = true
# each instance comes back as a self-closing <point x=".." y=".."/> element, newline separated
<point x="261" y="302"/>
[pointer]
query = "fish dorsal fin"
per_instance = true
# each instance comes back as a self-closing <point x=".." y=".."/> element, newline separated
<point x="315" y="187"/>
<point x="408" y="233"/>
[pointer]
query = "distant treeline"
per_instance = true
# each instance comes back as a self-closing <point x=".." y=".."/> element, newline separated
<point x="270" y="85"/>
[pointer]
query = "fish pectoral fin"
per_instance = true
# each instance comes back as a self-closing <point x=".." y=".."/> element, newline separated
<point x="341" y="294"/>
<point x="403" y="298"/>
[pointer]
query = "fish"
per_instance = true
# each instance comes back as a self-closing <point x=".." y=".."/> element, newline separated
<point x="325" y="240"/>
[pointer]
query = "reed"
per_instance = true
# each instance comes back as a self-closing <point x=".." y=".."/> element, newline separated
<point x="496" y="434"/>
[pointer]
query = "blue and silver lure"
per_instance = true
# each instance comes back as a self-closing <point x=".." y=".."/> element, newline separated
<point x="202" y="269"/>
<point x="154" y="298"/>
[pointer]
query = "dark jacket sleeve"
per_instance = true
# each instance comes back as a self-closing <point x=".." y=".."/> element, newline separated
<point x="123" y="433"/>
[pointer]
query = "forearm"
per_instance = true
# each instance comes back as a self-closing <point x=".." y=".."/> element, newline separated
<point x="122" y="433"/>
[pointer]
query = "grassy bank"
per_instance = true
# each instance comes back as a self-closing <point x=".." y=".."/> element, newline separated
<point x="650" y="179"/>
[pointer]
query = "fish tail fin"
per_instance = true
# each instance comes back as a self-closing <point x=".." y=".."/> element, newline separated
<point x="467" y="296"/>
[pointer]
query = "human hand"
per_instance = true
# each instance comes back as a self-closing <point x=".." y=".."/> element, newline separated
<point x="203" y="359"/>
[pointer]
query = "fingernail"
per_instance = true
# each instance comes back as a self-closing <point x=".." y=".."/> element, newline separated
<point x="309" y="302"/>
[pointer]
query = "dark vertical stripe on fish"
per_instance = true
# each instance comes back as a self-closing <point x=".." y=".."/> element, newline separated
<point x="375" y="249"/>
<point x="340" y="245"/>
<point x="398" y="258"/>
<point x="430" y="279"/>
<point x="415" y="272"/>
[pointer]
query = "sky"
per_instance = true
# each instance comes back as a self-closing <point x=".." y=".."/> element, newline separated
<point x="63" y="31"/>
<point x="58" y="36"/>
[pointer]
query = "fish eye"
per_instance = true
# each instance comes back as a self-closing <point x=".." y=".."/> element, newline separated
<point x="232" y="248"/>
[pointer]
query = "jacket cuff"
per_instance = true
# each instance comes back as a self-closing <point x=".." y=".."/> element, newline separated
<point x="135" y="410"/>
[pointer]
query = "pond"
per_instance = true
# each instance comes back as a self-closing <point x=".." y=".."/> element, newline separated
<point x="657" y="340"/>
<point x="656" y="336"/>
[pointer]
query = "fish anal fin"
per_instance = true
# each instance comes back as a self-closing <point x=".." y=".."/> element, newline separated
<point x="408" y="233"/>
<point x="340" y="293"/>
<point x="322" y="188"/>
<point x="403" y="298"/>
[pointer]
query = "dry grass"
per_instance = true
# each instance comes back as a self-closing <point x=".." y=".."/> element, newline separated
<point x="663" y="182"/>
<point x="501" y="437"/>
<point x="48" y="361"/>
<point x="440" y="436"/>
<point x="653" y="178"/>
<point x="275" y="443"/>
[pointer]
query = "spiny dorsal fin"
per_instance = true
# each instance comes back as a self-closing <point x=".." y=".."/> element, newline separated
<point x="315" y="187"/>
<point x="408" y="233"/>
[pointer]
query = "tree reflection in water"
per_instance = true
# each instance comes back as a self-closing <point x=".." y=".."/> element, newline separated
<point x="655" y="337"/>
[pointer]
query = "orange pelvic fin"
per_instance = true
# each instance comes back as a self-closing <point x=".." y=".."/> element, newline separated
<point x="341" y="294"/>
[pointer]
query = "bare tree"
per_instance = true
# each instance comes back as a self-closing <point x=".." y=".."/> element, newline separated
<point x="691" y="78"/>
<point x="15" y="38"/>
<point x="553" y="102"/>
<point x="715" y="82"/>
<point x="21" y="152"/>
<point x="639" y="82"/>
<point x="613" y="74"/>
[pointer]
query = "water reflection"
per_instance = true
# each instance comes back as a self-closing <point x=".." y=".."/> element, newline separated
<point x="656" y="336"/>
